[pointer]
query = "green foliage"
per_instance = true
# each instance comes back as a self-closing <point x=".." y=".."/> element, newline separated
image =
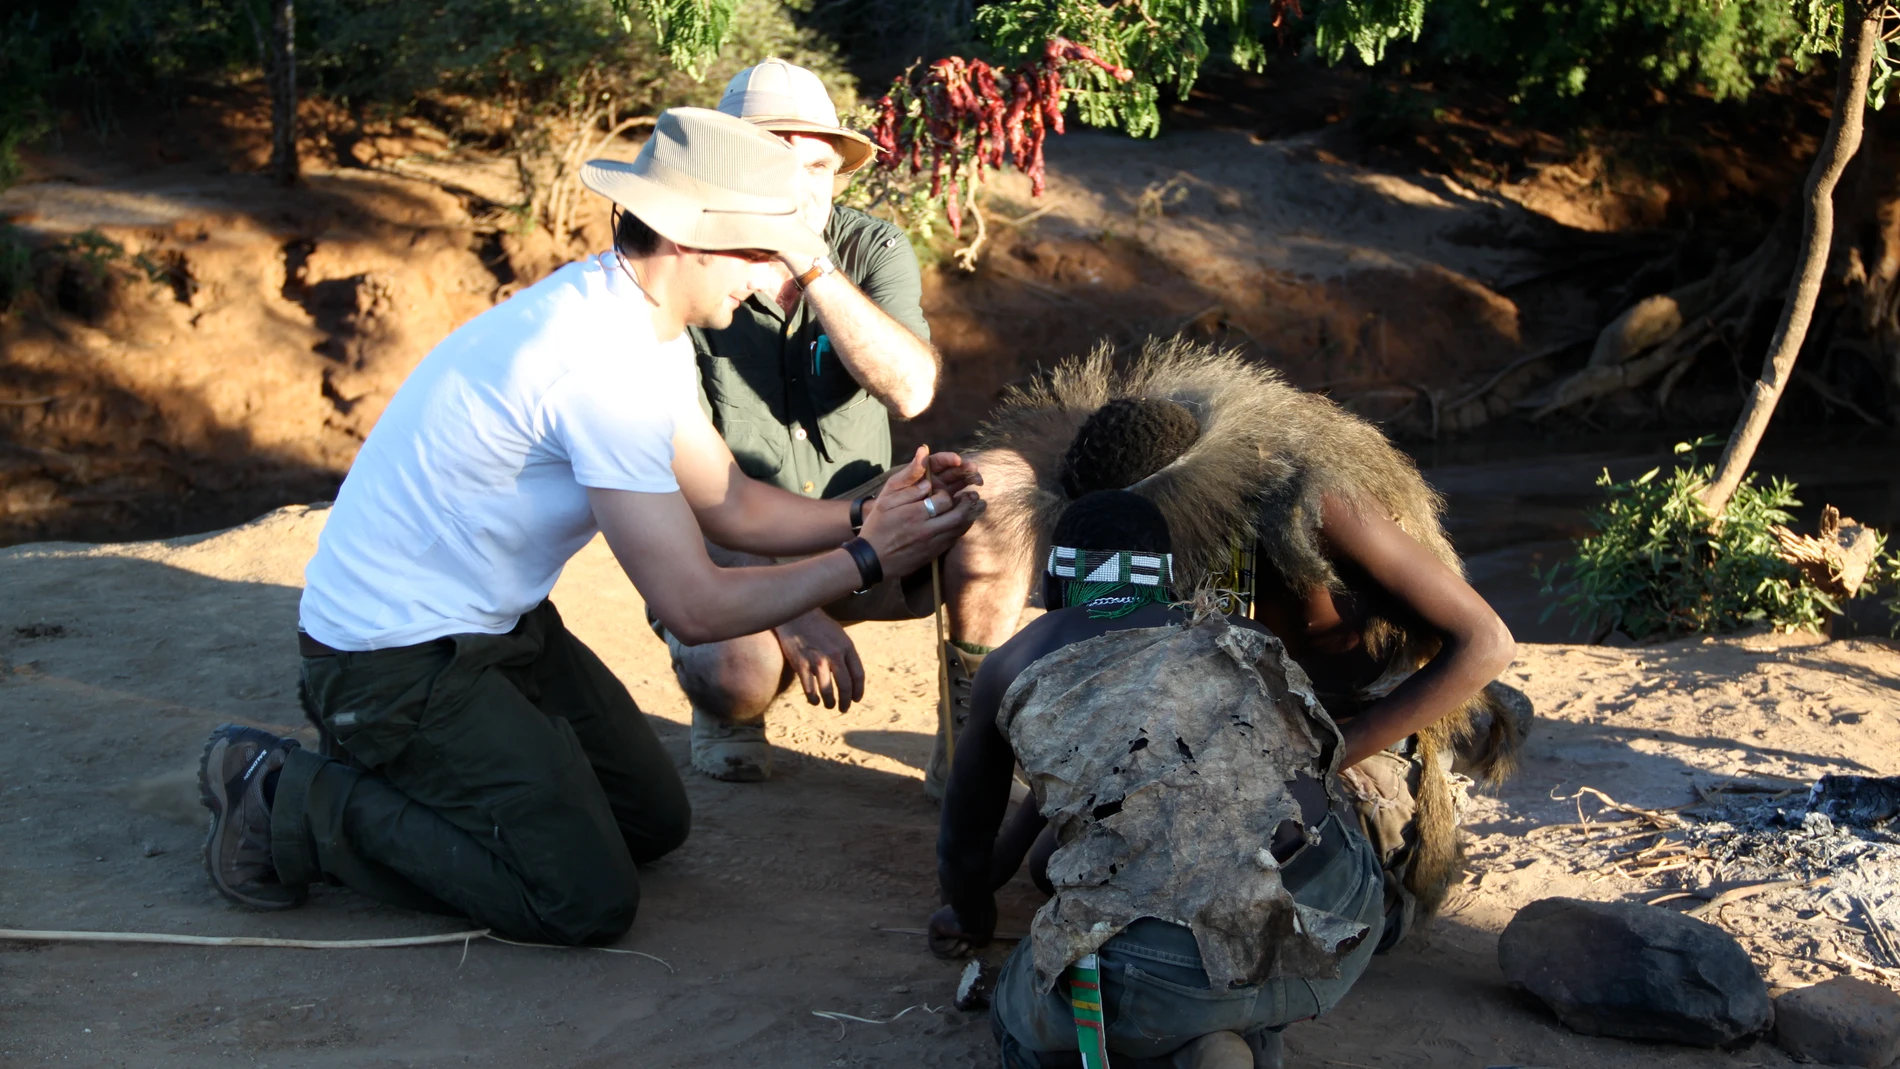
<point x="1568" y="55"/>
<point x="1166" y="42"/>
<point x="16" y="266"/>
<point x="91" y="58"/>
<point x="1658" y="566"/>
<point x="690" y="32"/>
<point x="1365" y="27"/>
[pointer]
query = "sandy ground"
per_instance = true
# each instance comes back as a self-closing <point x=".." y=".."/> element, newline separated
<point x="116" y="660"/>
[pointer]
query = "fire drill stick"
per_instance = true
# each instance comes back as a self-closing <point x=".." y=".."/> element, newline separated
<point x="946" y="710"/>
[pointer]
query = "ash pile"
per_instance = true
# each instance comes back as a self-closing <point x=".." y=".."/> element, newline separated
<point x="1841" y="836"/>
<point x="1828" y="862"/>
<point x="1791" y="889"/>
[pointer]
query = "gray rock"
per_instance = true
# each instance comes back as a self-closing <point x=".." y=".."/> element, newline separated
<point x="1842" y="1021"/>
<point x="1636" y="971"/>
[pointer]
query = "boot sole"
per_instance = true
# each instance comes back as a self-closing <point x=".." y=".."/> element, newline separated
<point x="211" y="792"/>
<point x="733" y="773"/>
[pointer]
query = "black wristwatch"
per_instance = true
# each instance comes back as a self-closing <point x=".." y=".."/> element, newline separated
<point x="857" y="512"/>
<point x="870" y="569"/>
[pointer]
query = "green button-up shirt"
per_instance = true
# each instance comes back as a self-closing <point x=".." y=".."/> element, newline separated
<point x="780" y="396"/>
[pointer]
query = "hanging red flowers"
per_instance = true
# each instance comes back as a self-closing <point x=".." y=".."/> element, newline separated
<point x="974" y="116"/>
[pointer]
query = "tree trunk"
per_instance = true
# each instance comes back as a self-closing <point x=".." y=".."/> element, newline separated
<point x="283" y="93"/>
<point x="1860" y="36"/>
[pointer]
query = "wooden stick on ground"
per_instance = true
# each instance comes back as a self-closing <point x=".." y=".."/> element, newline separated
<point x="30" y="935"/>
<point x="1736" y="894"/>
<point x="1878" y="930"/>
<point x="35" y="935"/>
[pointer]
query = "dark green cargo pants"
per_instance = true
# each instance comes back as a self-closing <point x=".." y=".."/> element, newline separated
<point x="509" y="778"/>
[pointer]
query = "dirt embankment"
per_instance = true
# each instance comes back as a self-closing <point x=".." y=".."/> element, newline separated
<point x="234" y="354"/>
<point x="115" y="661"/>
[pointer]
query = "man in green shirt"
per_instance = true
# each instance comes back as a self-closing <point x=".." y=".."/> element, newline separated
<point x="802" y="386"/>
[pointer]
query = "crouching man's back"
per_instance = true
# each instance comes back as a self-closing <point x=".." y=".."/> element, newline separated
<point x="1185" y="797"/>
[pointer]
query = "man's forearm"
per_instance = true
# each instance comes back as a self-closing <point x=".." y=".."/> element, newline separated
<point x="1460" y="670"/>
<point x="892" y="364"/>
<point x="746" y="601"/>
<point x="757" y="518"/>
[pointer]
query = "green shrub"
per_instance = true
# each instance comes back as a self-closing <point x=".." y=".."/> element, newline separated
<point x="1659" y="566"/>
<point x="16" y="266"/>
<point x="1566" y="53"/>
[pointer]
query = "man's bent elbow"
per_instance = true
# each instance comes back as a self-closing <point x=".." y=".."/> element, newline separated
<point x="1497" y="646"/>
<point x="690" y="626"/>
<point x="912" y="402"/>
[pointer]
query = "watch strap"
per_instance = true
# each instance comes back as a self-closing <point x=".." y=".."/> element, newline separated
<point x="819" y="268"/>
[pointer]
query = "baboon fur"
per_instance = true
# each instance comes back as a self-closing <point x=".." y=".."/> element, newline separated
<point x="1267" y="453"/>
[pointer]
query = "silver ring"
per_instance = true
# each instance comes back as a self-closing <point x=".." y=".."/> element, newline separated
<point x="930" y="508"/>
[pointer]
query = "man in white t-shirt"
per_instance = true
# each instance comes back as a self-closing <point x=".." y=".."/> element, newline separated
<point x="477" y="758"/>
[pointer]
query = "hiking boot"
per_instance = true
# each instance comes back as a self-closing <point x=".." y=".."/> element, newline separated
<point x="231" y="784"/>
<point x="963" y="668"/>
<point x="734" y="752"/>
<point x="1216" y="1050"/>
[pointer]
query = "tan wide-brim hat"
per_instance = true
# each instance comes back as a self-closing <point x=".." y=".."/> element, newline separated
<point x="709" y="181"/>
<point x="788" y="99"/>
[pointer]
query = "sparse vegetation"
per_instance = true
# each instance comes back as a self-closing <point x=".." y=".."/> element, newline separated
<point x="1660" y="565"/>
<point x="16" y="267"/>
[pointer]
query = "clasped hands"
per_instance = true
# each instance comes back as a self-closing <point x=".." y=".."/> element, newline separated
<point x="907" y="533"/>
<point x="921" y="509"/>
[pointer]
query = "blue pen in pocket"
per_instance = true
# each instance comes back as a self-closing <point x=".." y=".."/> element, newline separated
<point x="818" y="349"/>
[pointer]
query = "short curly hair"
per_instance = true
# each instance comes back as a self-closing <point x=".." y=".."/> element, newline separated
<point x="1114" y="521"/>
<point x="1124" y="442"/>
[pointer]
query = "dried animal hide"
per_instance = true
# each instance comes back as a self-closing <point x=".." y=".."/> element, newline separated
<point x="1267" y="454"/>
<point x="1161" y="756"/>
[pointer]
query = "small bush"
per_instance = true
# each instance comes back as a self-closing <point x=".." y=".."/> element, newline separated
<point x="1659" y="566"/>
<point x="16" y="267"/>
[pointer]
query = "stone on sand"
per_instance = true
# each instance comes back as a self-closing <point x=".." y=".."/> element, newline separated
<point x="1843" y="1021"/>
<point x="1636" y="971"/>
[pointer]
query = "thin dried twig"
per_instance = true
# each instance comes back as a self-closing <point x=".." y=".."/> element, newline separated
<point x="1878" y="930"/>
<point x="1022" y="220"/>
<point x="839" y="1017"/>
<point x="1661" y="818"/>
<point x="999" y="937"/>
<point x="1878" y="970"/>
<point x="1736" y="894"/>
<point x="33" y="935"/>
<point x="608" y="950"/>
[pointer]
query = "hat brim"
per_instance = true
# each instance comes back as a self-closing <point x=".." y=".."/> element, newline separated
<point x="685" y="221"/>
<point x="856" y="149"/>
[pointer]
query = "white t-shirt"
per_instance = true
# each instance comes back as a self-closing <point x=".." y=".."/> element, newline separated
<point x="470" y="494"/>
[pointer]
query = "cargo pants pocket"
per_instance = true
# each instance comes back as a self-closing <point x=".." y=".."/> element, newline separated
<point x="373" y="703"/>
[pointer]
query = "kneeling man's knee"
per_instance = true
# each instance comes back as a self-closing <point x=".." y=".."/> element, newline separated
<point x="665" y="830"/>
<point x="599" y="907"/>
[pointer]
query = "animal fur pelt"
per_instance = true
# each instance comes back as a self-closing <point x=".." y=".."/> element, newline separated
<point x="1266" y="455"/>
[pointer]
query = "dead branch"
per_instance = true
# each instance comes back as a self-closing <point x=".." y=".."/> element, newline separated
<point x="1838" y="559"/>
<point x="1502" y="373"/>
<point x="1827" y="393"/>
<point x="1672" y="328"/>
<point x="966" y="257"/>
<point x="1603" y="380"/>
<point x="1736" y="894"/>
